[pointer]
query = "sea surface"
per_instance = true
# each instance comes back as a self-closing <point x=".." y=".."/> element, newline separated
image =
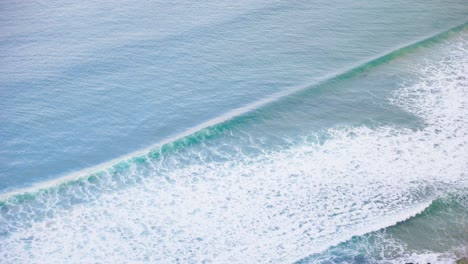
<point x="233" y="131"/>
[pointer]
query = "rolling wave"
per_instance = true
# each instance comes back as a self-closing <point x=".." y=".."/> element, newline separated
<point x="219" y="195"/>
<point x="220" y="125"/>
<point x="399" y="243"/>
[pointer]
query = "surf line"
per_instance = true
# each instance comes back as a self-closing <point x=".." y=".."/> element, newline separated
<point x="342" y="73"/>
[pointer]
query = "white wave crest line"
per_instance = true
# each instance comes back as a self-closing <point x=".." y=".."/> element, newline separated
<point x="223" y="118"/>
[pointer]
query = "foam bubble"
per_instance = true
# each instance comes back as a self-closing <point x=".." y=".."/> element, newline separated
<point x="278" y="206"/>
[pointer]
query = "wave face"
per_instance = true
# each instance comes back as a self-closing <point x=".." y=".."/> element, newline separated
<point x="258" y="188"/>
<point x="82" y="84"/>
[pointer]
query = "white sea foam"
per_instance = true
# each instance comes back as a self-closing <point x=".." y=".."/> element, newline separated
<point x="276" y="207"/>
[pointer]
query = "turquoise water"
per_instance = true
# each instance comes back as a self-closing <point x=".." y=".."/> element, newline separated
<point x="310" y="132"/>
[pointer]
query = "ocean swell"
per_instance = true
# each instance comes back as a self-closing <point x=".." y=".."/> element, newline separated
<point x="218" y="204"/>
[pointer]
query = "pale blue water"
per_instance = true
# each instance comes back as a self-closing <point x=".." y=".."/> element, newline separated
<point x="255" y="131"/>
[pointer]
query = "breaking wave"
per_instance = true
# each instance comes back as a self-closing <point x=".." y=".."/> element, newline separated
<point x="219" y="195"/>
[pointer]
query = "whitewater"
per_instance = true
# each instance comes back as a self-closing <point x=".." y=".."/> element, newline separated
<point x="240" y="191"/>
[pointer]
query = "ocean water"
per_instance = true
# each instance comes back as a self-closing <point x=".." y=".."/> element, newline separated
<point x="247" y="132"/>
